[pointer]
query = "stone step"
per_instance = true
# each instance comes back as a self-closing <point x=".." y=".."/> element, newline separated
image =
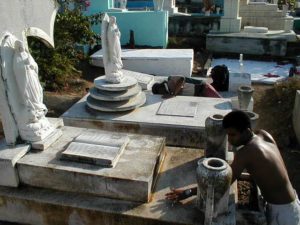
<point x="131" y="179"/>
<point x="101" y="84"/>
<point x="116" y="95"/>
<point x="119" y="106"/>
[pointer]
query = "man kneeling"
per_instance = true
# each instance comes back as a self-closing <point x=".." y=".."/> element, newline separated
<point x="260" y="156"/>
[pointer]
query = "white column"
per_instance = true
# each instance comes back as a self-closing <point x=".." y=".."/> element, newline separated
<point x="231" y="22"/>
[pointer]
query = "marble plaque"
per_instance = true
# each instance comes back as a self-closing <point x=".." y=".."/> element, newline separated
<point x="95" y="148"/>
<point x="114" y="140"/>
<point x="177" y="108"/>
<point x="102" y="155"/>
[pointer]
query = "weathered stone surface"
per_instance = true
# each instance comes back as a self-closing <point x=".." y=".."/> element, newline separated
<point x="162" y="62"/>
<point x="9" y="155"/>
<point x="131" y="178"/>
<point x="144" y="80"/>
<point x="106" y="156"/>
<point x="46" y="207"/>
<point x="179" y="131"/>
<point x="177" y="108"/>
<point x="116" y="106"/>
<point x="109" y="139"/>
<point x="90" y="147"/>
<point x="42" y="145"/>
<point x="57" y="124"/>
<point x="102" y="84"/>
<point x="247" y="43"/>
<point x="115" y="96"/>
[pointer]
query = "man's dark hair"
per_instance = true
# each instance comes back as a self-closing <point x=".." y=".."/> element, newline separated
<point x="160" y="88"/>
<point x="220" y="77"/>
<point x="238" y="120"/>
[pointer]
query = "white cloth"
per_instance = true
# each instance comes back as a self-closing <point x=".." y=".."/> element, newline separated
<point x="285" y="214"/>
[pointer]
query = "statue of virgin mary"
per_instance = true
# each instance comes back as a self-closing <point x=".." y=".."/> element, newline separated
<point x="111" y="50"/>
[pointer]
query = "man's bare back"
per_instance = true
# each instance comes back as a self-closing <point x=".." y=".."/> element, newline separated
<point x="262" y="159"/>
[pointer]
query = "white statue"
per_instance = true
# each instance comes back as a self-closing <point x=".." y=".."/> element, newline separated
<point x="22" y="94"/>
<point x="26" y="72"/>
<point x="111" y="46"/>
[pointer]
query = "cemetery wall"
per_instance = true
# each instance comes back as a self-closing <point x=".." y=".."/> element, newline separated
<point x="192" y="26"/>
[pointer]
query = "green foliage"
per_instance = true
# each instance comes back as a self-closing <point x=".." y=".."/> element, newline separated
<point x="290" y="3"/>
<point x="57" y="67"/>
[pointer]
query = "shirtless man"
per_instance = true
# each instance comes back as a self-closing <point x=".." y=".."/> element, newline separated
<point x="260" y="156"/>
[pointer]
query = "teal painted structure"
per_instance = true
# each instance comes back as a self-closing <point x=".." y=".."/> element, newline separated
<point x="100" y="6"/>
<point x="150" y="27"/>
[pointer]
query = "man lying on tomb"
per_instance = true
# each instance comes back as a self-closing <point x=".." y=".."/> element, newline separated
<point x="260" y="156"/>
<point x="179" y="85"/>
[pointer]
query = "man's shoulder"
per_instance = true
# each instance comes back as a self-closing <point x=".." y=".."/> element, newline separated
<point x="266" y="136"/>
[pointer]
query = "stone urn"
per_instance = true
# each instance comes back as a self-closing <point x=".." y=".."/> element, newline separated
<point x="216" y="141"/>
<point x="244" y="96"/>
<point x="214" y="179"/>
<point x="218" y="9"/>
<point x="253" y="118"/>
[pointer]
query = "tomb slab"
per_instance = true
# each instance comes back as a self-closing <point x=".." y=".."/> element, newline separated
<point x="9" y="155"/>
<point x="130" y="179"/>
<point x="185" y="131"/>
<point x="161" y="62"/>
<point x="47" y="207"/>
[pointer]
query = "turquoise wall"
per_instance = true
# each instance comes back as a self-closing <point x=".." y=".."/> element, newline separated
<point x="100" y="6"/>
<point x="150" y="27"/>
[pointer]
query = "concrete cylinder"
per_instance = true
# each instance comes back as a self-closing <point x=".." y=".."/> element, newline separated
<point x="244" y="96"/>
<point x="213" y="179"/>
<point x="216" y="141"/>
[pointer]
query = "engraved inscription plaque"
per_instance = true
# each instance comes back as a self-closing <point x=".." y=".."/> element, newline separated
<point x="177" y="108"/>
<point x="96" y="148"/>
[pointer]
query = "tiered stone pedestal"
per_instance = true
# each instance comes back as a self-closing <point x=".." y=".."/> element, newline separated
<point x="110" y="97"/>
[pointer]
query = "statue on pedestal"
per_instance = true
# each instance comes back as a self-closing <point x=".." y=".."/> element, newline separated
<point x="111" y="46"/>
<point x="21" y="96"/>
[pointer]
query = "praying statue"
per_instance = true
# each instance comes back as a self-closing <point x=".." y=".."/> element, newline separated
<point x="26" y="71"/>
<point x="21" y="94"/>
<point x="111" y="46"/>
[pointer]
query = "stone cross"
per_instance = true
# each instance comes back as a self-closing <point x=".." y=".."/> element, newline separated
<point x="20" y="19"/>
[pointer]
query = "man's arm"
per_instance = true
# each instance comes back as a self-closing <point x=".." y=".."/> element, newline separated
<point x="239" y="164"/>
<point x="180" y="194"/>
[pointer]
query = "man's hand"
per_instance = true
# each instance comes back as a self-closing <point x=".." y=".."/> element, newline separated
<point x="177" y="195"/>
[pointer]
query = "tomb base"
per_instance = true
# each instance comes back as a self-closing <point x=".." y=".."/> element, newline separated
<point x="161" y="62"/>
<point x="131" y="178"/>
<point x="180" y="119"/>
<point x="29" y="205"/>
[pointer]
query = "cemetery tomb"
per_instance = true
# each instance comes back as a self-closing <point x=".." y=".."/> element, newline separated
<point x="161" y="62"/>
